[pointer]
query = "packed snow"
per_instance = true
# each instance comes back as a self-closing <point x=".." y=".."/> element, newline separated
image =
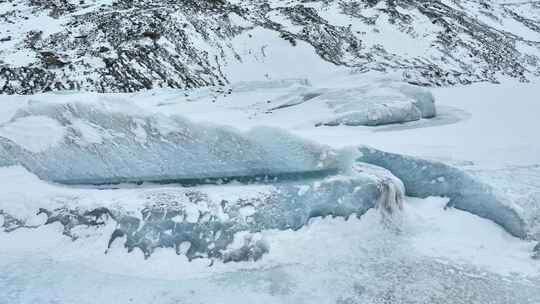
<point x="466" y="233"/>
<point x="448" y="256"/>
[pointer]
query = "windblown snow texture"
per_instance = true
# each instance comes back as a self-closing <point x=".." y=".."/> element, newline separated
<point x="423" y="178"/>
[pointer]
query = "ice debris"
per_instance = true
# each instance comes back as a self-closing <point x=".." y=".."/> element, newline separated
<point x="423" y="178"/>
<point x="203" y="222"/>
<point x="100" y="146"/>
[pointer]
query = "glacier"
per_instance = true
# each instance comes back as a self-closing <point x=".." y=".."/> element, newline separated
<point x="202" y="221"/>
<point x="97" y="146"/>
<point x="424" y="178"/>
<point x="337" y="214"/>
<point x="382" y="103"/>
<point x="92" y="157"/>
<point x="106" y="141"/>
<point x="100" y="139"/>
<point x="368" y="264"/>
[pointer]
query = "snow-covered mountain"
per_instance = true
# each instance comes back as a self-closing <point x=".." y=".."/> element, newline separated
<point x="125" y="46"/>
<point x="265" y="151"/>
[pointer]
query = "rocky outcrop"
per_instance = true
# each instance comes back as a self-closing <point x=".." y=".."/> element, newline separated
<point x="125" y="46"/>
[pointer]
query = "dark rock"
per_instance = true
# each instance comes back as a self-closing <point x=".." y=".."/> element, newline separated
<point x="51" y="60"/>
<point x="152" y="35"/>
<point x="103" y="49"/>
<point x="464" y="49"/>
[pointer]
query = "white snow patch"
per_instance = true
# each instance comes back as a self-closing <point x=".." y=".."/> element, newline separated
<point x="465" y="238"/>
<point x="89" y="134"/>
<point x="34" y="133"/>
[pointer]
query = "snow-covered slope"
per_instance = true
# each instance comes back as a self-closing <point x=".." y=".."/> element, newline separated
<point x="112" y="46"/>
